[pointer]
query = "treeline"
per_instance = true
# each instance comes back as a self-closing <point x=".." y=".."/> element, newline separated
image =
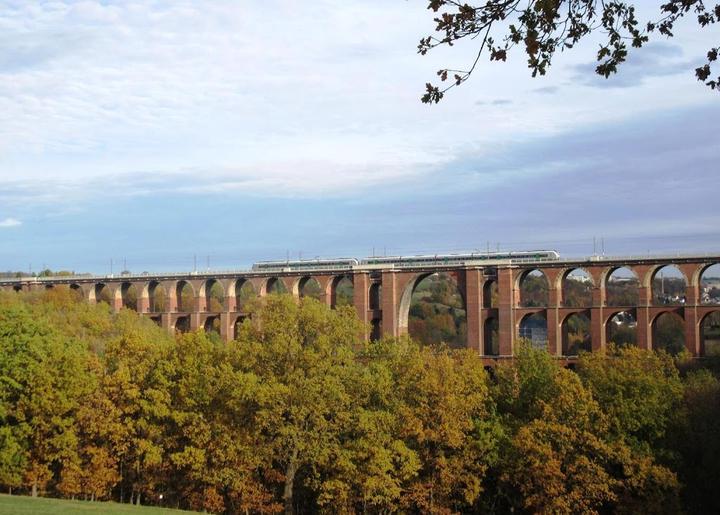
<point x="298" y="415"/>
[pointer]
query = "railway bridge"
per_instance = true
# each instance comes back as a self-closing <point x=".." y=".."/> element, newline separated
<point x="496" y="312"/>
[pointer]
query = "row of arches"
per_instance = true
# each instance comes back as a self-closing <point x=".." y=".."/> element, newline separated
<point x="432" y="306"/>
<point x="668" y="332"/>
<point x="622" y="286"/>
<point x="213" y="293"/>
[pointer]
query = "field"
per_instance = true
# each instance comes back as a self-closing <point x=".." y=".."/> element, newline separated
<point x="17" y="504"/>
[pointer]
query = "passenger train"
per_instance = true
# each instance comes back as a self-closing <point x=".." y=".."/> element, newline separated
<point x="407" y="261"/>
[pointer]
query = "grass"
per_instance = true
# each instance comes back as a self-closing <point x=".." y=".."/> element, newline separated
<point x="19" y="504"/>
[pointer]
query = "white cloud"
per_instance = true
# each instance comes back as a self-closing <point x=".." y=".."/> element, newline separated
<point x="271" y="95"/>
<point x="10" y="222"/>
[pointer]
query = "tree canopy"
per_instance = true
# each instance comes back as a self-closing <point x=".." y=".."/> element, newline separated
<point x="300" y="415"/>
<point x="543" y="27"/>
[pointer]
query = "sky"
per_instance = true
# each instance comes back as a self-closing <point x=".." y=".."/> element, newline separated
<point x="168" y="135"/>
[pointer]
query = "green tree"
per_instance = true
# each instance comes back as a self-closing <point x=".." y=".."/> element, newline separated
<point x="639" y="390"/>
<point x="42" y="376"/>
<point x="299" y="353"/>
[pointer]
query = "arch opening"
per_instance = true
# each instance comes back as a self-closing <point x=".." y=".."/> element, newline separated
<point x="182" y="324"/>
<point x="669" y="286"/>
<point x="185" y="297"/>
<point x="436" y="312"/>
<point x="576" y="335"/>
<point x="577" y="288"/>
<point x="622" y="288"/>
<point x="533" y="328"/>
<point x="343" y="292"/>
<point x="621" y="329"/>
<point x="129" y="295"/>
<point x="490" y="294"/>
<point x="156" y="297"/>
<point x="534" y="289"/>
<point x="214" y="296"/>
<point x="668" y="333"/>
<point x="76" y="291"/>
<point x="212" y="325"/>
<point x="103" y="294"/>
<point x="375" y="296"/>
<point x="275" y="286"/>
<point x="710" y="333"/>
<point x="491" y="343"/>
<point x="244" y="293"/>
<point x="309" y="287"/>
<point x="710" y="285"/>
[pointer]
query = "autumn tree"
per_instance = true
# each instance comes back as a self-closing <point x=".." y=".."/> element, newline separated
<point x="299" y="353"/>
<point x="42" y="377"/>
<point x="543" y="27"/>
<point x="638" y="389"/>
<point x="562" y="455"/>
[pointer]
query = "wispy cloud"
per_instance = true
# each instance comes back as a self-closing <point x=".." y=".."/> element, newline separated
<point x="10" y="222"/>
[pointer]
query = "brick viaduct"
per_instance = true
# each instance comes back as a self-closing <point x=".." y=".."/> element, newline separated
<point x="382" y="298"/>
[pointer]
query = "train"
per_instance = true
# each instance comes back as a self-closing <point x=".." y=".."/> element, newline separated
<point x="471" y="258"/>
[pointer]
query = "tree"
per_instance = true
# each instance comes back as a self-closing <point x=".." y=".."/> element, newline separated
<point x="300" y="354"/>
<point x="42" y="378"/>
<point x="639" y="390"/>
<point x="543" y="27"/>
<point x="563" y="455"/>
<point x="697" y="439"/>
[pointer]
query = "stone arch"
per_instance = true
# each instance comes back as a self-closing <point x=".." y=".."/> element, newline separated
<point x="129" y="295"/>
<point x="622" y="287"/>
<point x="185" y="296"/>
<point x="669" y="285"/>
<point x="244" y="292"/>
<point x="490" y="294"/>
<point x="576" y="335"/>
<point x="103" y="293"/>
<point x="710" y="334"/>
<point x="214" y="293"/>
<point x="534" y="288"/>
<point x="182" y="324"/>
<point x="668" y="332"/>
<point x="275" y="285"/>
<point x="157" y="297"/>
<point x="438" y="308"/>
<point x="78" y="291"/>
<point x="342" y="291"/>
<point x="576" y="286"/>
<point x="533" y="327"/>
<point x="491" y="342"/>
<point x="212" y="324"/>
<point x="308" y="286"/>
<point x="621" y="328"/>
<point x="709" y="282"/>
<point x="375" y="296"/>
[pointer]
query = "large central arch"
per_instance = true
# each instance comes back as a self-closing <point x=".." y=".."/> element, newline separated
<point x="445" y="311"/>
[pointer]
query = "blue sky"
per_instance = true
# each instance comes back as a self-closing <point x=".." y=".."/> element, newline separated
<point x="152" y="132"/>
